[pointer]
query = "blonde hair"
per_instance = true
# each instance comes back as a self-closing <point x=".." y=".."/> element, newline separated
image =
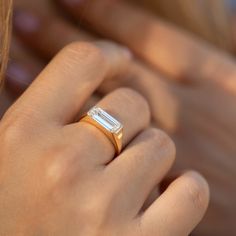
<point x="5" y="34"/>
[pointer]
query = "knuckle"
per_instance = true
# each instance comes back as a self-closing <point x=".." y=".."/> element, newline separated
<point x="11" y="116"/>
<point x="55" y="166"/>
<point x="9" y="136"/>
<point x="84" y="52"/>
<point x="62" y="164"/>
<point x="197" y="190"/>
<point x="14" y="129"/>
<point x="163" y="143"/>
<point x="20" y="116"/>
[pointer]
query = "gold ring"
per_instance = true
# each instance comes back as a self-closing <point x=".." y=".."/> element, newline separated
<point x="111" y="127"/>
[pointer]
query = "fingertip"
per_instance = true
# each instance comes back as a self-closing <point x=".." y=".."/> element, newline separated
<point x="198" y="189"/>
<point x="182" y="206"/>
<point x="117" y="56"/>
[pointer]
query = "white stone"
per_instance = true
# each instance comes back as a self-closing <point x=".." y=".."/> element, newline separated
<point x="105" y="120"/>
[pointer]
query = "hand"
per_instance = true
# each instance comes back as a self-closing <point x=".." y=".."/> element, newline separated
<point x="188" y="110"/>
<point x="59" y="177"/>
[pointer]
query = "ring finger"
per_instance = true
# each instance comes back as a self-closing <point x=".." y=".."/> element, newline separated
<point x="128" y="107"/>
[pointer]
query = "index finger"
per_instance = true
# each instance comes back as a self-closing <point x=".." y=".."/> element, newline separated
<point x="68" y="81"/>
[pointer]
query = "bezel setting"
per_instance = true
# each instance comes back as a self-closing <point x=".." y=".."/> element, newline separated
<point x="105" y="120"/>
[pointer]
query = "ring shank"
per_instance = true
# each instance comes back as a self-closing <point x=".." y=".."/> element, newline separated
<point x="115" y="138"/>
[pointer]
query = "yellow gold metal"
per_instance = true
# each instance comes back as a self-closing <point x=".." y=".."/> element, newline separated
<point x="115" y="138"/>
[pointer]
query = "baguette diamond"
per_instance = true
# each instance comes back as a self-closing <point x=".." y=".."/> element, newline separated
<point x="105" y="120"/>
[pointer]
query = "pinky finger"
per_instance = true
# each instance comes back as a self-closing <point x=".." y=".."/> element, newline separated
<point x="178" y="210"/>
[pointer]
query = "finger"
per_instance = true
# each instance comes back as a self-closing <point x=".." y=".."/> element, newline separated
<point x="128" y="107"/>
<point x="152" y="86"/>
<point x="161" y="96"/>
<point x="29" y="25"/>
<point x="23" y="69"/>
<point x="154" y="194"/>
<point x="164" y="46"/>
<point x="69" y="80"/>
<point x="181" y="207"/>
<point x="140" y="168"/>
<point x="205" y="150"/>
<point x="121" y="26"/>
<point x="91" y="102"/>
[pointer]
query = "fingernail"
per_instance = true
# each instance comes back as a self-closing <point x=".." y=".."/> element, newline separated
<point x="127" y="53"/>
<point x="18" y="77"/>
<point x="25" y="21"/>
<point x="117" y="56"/>
<point x="112" y="47"/>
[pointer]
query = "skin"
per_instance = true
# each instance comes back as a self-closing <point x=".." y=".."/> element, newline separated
<point x="65" y="180"/>
<point x="205" y="82"/>
<point x="183" y="108"/>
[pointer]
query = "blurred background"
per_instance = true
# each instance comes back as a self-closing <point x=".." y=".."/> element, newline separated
<point x="184" y="64"/>
<point x="212" y="20"/>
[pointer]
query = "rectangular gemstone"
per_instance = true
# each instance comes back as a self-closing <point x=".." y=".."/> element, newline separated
<point x="105" y="120"/>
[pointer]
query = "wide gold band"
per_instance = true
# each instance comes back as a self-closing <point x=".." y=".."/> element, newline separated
<point x="114" y="137"/>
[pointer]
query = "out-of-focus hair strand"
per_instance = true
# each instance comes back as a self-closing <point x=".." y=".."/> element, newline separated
<point x="5" y="35"/>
